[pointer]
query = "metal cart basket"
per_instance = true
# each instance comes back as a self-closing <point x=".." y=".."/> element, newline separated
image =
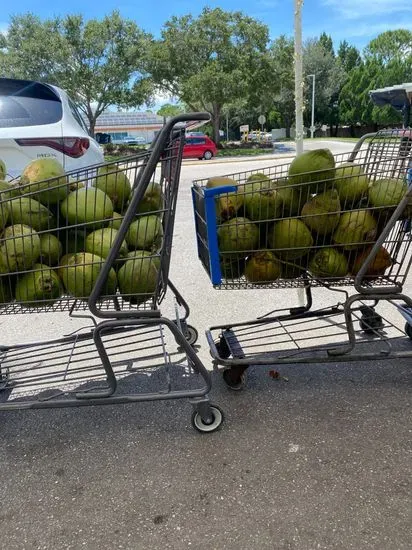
<point x="347" y="224"/>
<point x="97" y="243"/>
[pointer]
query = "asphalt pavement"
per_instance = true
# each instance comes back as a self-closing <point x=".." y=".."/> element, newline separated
<point x="319" y="457"/>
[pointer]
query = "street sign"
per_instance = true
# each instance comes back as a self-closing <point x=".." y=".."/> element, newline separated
<point x="262" y="119"/>
<point x="244" y="128"/>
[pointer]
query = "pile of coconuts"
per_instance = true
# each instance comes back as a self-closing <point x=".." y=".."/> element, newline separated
<point x="55" y="234"/>
<point x="321" y="219"/>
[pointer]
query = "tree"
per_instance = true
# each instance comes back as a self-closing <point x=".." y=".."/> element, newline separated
<point x="283" y="85"/>
<point x="169" y="110"/>
<point x="390" y="45"/>
<point x="330" y="77"/>
<point x="325" y="41"/>
<point x="98" y="62"/>
<point x="348" y="56"/>
<point x="210" y="61"/>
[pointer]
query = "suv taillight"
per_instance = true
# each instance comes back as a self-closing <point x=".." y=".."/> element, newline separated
<point x="72" y="146"/>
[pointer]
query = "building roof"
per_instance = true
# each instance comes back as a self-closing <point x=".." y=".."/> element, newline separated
<point x="135" y="118"/>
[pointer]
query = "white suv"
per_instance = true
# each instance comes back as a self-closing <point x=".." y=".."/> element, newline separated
<point x="41" y="121"/>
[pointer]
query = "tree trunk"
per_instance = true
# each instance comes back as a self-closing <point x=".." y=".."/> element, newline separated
<point x="286" y="122"/>
<point x="216" y="123"/>
<point x="92" y="124"/>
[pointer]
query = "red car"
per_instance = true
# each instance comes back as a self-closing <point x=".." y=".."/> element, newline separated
<point x="199" y="147"/>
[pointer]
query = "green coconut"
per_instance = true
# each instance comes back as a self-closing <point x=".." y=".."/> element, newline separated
<point x="4" y="209"/>
<point x="328" y="262"/>
<point x="355" y="228"/>
<point x="292" y="197"/>
<point x="351" y="183"/>
<point x="31" y="212"/>
<point x="116" y="221"/>
<point x="290" y="239"/>
<point x="138" y="277"/>
<point x="316" y="169"/>
<point x="322" y="212"/>
<point x="46" y="178"/>
<point x="100" y="242"/>
<point x="152" y="200"/>
<point x="19" y="249"/>
<point x="228" y="204"/>
<point x="87" y="206"/>
<point x="145" y="233"/>
<point x="8" y="190"/>
<point x="262" y="267"/>
<point x="51" y="249"/>
<point x="115" y="184"/>
<point x="136" y="254"/>
<point x="237" y="236"/>
<point x="79" y="273"/>
<point x="262" y="200"/>
<point x="37" y="286"/>
<point x="387" y="192"/>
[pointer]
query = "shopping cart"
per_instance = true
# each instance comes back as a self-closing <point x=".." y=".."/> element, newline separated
<point x="97" y="243"/>
<point x="287" y="244"/>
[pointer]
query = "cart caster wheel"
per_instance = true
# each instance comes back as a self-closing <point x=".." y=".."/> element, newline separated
<point x="234" y="381"/>
<point x="370" y="321"/>
<point x="408" y="330"/>
<point x="365" y="327"/>
<point x="222" y="349"/>
<point x="191" y="335"/>
<point x="202" y="427"/>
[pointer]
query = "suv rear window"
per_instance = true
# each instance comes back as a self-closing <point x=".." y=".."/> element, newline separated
<point x="26" y="103"/>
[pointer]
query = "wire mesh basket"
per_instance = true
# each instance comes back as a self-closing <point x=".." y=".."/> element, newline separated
<point x="97" y="238"/>
<point x="346" y="223"/>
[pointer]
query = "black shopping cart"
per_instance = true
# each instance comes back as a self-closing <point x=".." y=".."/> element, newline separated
<point x="348" y="226"/>
<point x="97" y="243"/>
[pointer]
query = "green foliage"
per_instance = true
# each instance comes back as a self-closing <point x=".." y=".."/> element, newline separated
<point x="209" y="61"/>
<point x="169" y="110"/>
<point x="390" y="45"/>
<point x="325" y="41"/>
<point x="330" y="77"/>
<point x="348" y="56"/>
<point x="99" y="62"/>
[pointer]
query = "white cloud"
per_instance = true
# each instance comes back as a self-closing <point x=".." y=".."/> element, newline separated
<point x="365" y="9"/>
<point x="3" y="27"/>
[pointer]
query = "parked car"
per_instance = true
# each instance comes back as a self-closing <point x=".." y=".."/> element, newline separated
<point x="41" y="121"/>
<point x="201" y="147"/>
<point x="138" y="140"/>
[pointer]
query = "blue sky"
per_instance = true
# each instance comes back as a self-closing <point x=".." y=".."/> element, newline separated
<point x="357" y="21"/>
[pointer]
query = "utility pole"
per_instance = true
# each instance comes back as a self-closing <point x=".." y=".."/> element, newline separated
<point x="298" y="77"/>
<point x="312" y="123"/>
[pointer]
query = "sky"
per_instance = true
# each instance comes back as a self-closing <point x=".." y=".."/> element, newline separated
<point x="357" y="21"/>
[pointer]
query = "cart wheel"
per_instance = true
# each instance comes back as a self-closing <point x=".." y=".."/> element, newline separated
<point x="199" y="424"/>
<point x="222" y="348"/>
<point x="366" y="327"/>
<point x="408" y="330"/>
<point x="370" y="321"/>
<point x="191" y="335"/>
<point x="233" y="380"/>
